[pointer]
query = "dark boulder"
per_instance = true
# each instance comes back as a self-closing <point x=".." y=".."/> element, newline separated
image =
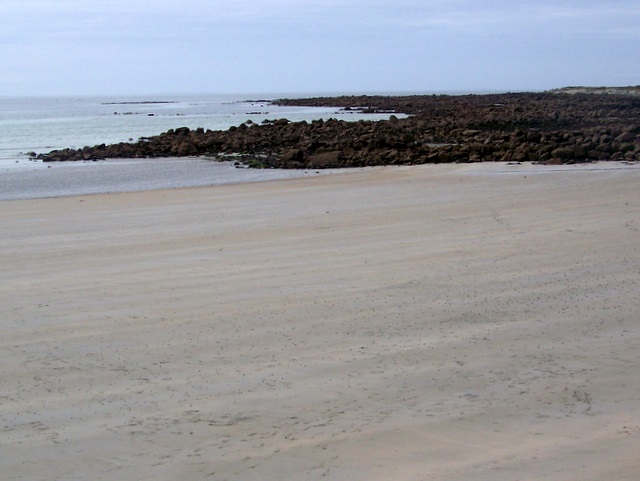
<point x="324" y="160"/>
<point x="563" y="153"/>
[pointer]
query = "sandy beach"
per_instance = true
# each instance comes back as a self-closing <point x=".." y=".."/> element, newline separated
<point x="436" y="322"/>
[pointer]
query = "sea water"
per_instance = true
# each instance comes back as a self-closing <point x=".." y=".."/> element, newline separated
<point x="38" y="125"/>
<point x="41" y="124"/>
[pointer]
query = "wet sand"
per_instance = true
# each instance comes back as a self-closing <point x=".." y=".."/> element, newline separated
<point x="37" y="180"/>
<point x="418" y="323"/>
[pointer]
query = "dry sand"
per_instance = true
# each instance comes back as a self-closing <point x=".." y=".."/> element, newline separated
<point x="475" y="322"/>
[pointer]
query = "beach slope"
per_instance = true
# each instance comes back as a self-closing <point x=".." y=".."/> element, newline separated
<point x="442" y="322"/>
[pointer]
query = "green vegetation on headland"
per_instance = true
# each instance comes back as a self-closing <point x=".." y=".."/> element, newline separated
<point x="575" y="124"/>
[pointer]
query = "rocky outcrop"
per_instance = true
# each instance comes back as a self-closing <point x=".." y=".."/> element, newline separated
<point x="548" y="128"/>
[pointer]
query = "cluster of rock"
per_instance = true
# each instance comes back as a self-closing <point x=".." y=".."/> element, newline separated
<point x="536" y="127"/>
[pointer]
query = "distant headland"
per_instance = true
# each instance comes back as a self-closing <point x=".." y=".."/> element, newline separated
<point x="567" y="125"/>
<point x="599" y="90"/>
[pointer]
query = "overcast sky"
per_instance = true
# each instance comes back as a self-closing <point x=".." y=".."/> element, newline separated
<point x="74" y="47"/>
